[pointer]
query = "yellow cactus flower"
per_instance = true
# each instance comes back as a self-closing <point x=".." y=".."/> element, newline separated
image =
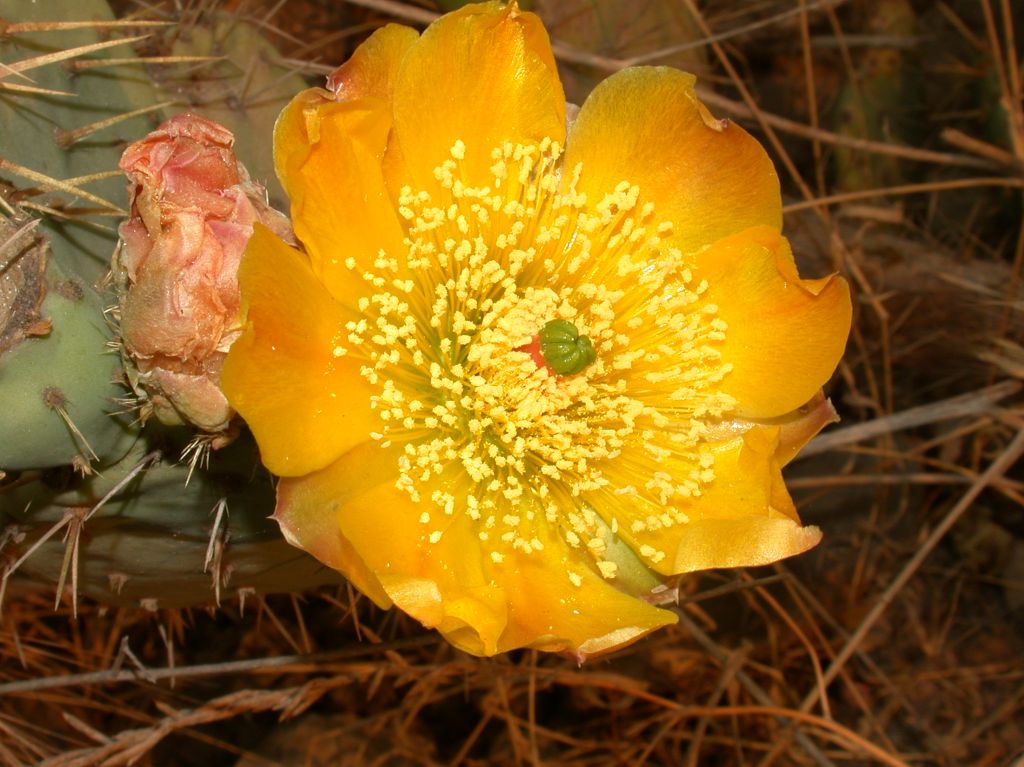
<point x="510" y="480"/>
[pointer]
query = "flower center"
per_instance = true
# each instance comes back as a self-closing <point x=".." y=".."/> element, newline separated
<point x="604" y="438"/>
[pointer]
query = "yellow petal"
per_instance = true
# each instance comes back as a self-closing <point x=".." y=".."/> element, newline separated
<point x="706" y="543"/>
<point x="329" y="158"/>
<point x="743" y="518"/>
<point x="785" y="335"/>
<point x="708" y="177"/>
<point x="799" y="427"/>
<point x="483" y="75"/>
<point x="796" y="428"/>
<point x="371" y="73"/>
<point x="296" y="129"/>
<point x="373" y="68"/>
<point x="551" y="611"/>
<point x="305" y="405"/>
<point x="309" y="510"/>
<point x="352" y="517"/>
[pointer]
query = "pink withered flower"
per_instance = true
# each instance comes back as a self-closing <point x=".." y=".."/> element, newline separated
<point x="193" y="206"/>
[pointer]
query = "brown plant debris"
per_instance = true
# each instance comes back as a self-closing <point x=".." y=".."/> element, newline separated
<point x="23" y="256"/>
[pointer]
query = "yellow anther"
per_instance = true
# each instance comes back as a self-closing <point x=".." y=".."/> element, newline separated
<point x="487" y="434"/>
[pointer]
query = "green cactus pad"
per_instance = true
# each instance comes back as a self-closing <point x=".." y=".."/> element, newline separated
<point x="151" y="540"/>
<point x="156" y="538"/>
<point x="41" y="132"/>
<point x="60" y="382"/>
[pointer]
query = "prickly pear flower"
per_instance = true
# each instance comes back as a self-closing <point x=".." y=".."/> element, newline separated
<point x="193" y="207"/>
<point x="523" y="373"/>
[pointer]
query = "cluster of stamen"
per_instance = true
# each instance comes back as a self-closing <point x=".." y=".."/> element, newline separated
<point x="483" y="430"/>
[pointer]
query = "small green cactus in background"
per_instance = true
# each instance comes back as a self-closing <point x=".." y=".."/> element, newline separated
<point x="877" y="100"/>
<point x="92" y="497"/>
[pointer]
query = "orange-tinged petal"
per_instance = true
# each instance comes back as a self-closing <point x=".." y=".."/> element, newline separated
<point x="352" y="517"/>
<point x="785" y="335"/>
<point x="482" y="75"/>
<point x="708" y="177"/>
<point x="549" y="612"/>
<point x="373" y="68"/>
<point x="340" y="206"/>
<point x="743" y="518"/>
<point x="305" y="404"/>
<point x="800" y="426"/>
<point x="372" y="72"/>
<point x="296" y="129"/>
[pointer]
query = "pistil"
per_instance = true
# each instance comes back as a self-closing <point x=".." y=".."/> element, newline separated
<point x="563" y="348"/>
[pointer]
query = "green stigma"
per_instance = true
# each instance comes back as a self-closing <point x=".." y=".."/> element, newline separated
<point x="563" y="348"/>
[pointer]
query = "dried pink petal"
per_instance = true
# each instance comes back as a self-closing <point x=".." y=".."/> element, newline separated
<point x="193" y="207"/>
